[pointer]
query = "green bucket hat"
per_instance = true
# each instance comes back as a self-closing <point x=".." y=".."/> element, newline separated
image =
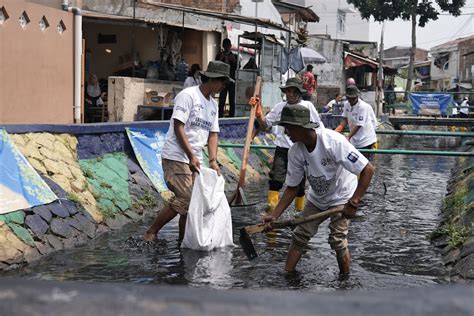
<point x="217" y="69"/>
<point x="298" y="115"/>
<point x="352" y="92"/>
<point x="294" y="83"/>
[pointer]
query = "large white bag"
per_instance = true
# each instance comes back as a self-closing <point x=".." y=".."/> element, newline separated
<point x="209" y="222"/>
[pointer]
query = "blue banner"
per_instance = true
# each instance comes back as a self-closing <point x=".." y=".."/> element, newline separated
<point x="430" y="103"/>
<point x="147" y="144"/>
<point x="21" y="187"/>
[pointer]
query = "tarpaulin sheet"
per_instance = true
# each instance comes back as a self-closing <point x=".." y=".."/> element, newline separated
<point x="21" y="187"/>
<point x="147" y="144"/>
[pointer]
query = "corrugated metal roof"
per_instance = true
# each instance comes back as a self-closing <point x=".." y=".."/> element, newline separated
<point x="214" y="14"/>
<point x="305" y="13"/>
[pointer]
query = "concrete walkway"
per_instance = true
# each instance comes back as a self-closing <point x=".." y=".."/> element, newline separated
<point x="33" y="297"/>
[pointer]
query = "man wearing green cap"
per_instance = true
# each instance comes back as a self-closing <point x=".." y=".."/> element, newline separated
<point x="361" y="119"/>
<point x="194" y="124"/>
<point x="331" y="165"/>
<point x="293" y="90"/>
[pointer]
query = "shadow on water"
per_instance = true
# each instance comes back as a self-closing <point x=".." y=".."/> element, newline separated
<point x="389" y="242"/>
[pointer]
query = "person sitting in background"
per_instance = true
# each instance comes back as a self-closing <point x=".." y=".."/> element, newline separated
<point x="334" y="105"/>
<point x="94" y="96"/>
<point x="194" y="78"/>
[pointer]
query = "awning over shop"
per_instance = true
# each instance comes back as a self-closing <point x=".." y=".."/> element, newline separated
<point x="301" y="12"/>
<point x="159" y="13"/>
<point x="353" y="60"/>
<point x="213" y="14"/>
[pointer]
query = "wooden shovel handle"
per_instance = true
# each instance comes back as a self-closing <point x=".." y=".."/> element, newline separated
<point x="248" y="136"/>
<point x="258" y="228"/>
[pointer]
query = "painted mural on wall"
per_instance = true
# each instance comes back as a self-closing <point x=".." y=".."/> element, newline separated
<point x="147" y="144"/>
<point x="20" y="185"/>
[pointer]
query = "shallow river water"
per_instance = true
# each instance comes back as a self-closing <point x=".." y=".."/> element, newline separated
<point x="389" y="241"/>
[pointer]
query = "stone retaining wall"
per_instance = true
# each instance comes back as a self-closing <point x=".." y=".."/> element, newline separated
<point x="100" y="186"/>
<point x="455" y="235"/>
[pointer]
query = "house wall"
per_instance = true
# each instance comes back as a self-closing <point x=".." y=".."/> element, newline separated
<point x="466" y="62"/>
<point x="37" y="77"/>
<point x="356" y="28"/>
<point x="442" y="79"/>
<point x="330" y="74"/>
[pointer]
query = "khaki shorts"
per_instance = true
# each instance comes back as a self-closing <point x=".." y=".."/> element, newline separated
<point x="179" y="179"/>
<point x="338" y="229"/>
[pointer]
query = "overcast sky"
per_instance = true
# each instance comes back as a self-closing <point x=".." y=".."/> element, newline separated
<point x="446" y="28"/>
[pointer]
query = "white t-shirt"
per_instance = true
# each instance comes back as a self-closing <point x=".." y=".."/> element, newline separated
<point x="199" y="115"/>
<point x="361" y="115"/>
<point x="464" y="107"/>
<point x="331" y="168"/>
<point x="282" y="140"/>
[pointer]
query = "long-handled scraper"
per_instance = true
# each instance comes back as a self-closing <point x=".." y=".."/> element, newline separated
<point x="245" y="232"/>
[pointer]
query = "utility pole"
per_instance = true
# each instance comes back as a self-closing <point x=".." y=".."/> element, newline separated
<point x="380" y="75"/>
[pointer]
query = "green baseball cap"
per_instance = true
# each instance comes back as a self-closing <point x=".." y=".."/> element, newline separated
<point x="298" y="115"/>
<point x="294" y="83"/>
<point x="217" y="69"/>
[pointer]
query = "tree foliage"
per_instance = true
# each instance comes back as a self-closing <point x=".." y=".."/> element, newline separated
<point x="426" y="10"/>
<point x="421" y="10"/>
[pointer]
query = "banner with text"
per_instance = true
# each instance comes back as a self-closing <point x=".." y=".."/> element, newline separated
<point x="430" y="103"/>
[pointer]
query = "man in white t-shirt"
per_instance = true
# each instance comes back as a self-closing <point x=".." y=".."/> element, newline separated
<point x="331" y="165"/>
<point x="361" y="119"/>
<point x="293" y="90"/>
<point x="194" y="124"/>
<point x="464" y="108"/>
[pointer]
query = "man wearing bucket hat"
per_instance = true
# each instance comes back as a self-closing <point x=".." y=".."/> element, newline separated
<point x="194" y="124"/>
<point x="293" y="90"/>
<point x="331" y="165"/>
<point x="361" y="119"/>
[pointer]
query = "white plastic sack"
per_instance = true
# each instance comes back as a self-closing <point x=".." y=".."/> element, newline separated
<point x="209" y="222"/>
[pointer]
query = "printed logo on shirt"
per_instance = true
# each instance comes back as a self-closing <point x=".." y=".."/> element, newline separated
<point x="353" y="157"/>
<point x="199" y="106"/>
<point x="319" y="185"/>
<point x="326" y="161"/>
<point x="305" y="163"/>
<point x="200" y="123"/>
<point x="361" y="118"/>
<point x="180" y="108"/>
<point x="213" y="113"/>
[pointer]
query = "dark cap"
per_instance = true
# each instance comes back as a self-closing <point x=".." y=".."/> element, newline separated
<point x="217" y="69"/>
<point x="298" y="115"/>
<point x="352" y="92"/>
<point x="294" y="83"/>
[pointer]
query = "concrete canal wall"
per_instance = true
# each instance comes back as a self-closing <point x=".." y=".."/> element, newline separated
<point x="93" y="171"/>
<point x="455" y="235"/>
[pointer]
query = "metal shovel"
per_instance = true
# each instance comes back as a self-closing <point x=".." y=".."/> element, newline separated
<point x="245" y="232"/>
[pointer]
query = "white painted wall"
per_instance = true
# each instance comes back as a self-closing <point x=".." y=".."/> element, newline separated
<point x="355" y="27"/>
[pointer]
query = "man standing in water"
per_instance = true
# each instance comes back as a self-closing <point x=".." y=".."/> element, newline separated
<point x="194" y="124"/>
<point x="332" y="165"/>
<point x="293" y="90"/>
<point x="361" y="119"/>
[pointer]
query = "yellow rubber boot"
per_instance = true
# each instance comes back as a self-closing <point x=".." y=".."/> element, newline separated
<point x="299" y="203"/>
<point x="273" y="197"/>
